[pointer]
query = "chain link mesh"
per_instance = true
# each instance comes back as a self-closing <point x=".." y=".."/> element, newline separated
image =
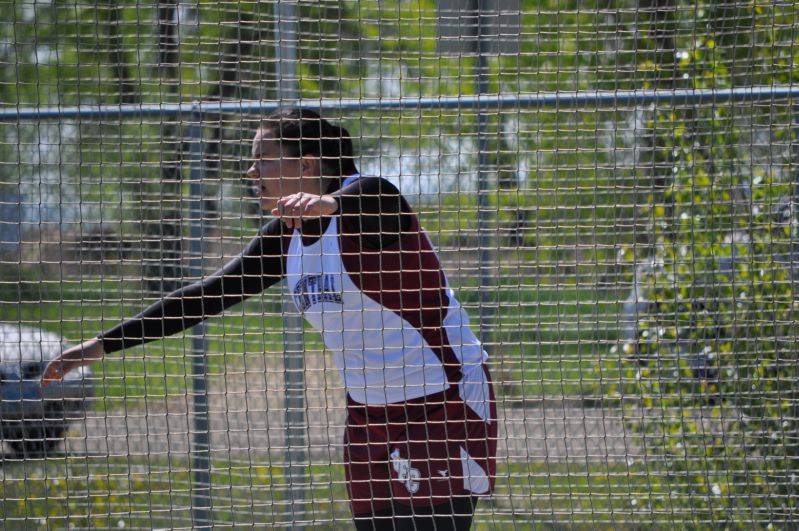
<point x="630" y="265"/>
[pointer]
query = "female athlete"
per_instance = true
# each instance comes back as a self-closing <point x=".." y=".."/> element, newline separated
<point x="420" y="439"/>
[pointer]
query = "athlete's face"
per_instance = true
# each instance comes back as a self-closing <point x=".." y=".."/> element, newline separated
<point x="277" y="175"/>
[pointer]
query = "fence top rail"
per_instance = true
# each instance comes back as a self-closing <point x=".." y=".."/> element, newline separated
<point x="540" y="99"/>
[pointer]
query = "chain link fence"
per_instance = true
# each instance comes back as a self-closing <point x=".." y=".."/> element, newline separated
<point x="611" y="189"/>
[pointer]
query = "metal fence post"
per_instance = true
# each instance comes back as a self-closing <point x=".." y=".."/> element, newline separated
<point x="293" y="344"/>
<point x="484" y="239"/>
<point x="794" y="248"/>
<point x="200" y="450"/>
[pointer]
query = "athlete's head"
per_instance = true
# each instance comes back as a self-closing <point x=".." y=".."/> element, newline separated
<point x="296" y="150"/>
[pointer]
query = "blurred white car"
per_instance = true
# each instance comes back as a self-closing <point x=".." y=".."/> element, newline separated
<point x="33" y="420"/>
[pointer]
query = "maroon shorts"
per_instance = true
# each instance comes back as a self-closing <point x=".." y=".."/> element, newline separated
<point x="421" y="452"/>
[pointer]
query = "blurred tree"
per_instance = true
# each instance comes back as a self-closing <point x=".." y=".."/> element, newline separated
<point x="714" y="367"/>
<point x="162" y="229"/>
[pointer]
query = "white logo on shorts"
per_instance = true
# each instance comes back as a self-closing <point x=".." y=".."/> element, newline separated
<point x="405" y="474"/>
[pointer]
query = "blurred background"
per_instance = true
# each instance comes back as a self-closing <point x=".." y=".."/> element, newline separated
<point x="612" y="187"/>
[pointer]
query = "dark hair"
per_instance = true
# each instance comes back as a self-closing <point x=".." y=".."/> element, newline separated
<point x="303" y="132"/>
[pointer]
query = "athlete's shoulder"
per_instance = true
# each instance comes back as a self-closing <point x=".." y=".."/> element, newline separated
<point x="368" y="184"/>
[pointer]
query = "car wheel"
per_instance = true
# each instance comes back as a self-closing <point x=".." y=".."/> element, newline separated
<point x="35" y="438"/>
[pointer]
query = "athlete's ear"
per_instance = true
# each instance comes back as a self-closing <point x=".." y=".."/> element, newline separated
<point x="311" y="166"/>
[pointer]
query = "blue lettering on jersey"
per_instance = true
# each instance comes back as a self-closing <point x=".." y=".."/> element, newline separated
<point x="315" y="289"/>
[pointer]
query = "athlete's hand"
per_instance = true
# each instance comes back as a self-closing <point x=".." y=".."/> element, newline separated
<point x="72" y="358"/>
<point x="292" y="209"/>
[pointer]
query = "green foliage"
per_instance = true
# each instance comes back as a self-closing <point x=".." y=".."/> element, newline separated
<point x="714" y="372"/>
<point x="155" y="492"/>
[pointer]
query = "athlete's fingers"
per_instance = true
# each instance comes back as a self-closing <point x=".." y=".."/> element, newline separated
<point x="72" y="358"/>
<point x="301" y="205"/>
<point x="294" y="203"/>
<point x="283" y="209"/>
<point x="279" y="212"/>
<point x="293" y="208"/>
<point x="288" y="204"/>
<point x="309" y="206"/>
<point x="53" y="373"/>
<point x="291" y="220"/>
<point x="299" y="208"/>
<point x="57" y="369"/>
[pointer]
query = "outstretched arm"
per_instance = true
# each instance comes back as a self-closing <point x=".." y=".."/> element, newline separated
<point x="259" y="266"/>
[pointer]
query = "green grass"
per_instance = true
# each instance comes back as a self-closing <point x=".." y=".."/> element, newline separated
<point x="546" y="341"/>
<point x="156" y="493"/>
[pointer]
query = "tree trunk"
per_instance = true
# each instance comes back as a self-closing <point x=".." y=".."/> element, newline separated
<point x="229" y="87"/>
<point x="163" y="268"/>
<point x="126" y="85"/>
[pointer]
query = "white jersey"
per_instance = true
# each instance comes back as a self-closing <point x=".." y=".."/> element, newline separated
<point x="394" y="326"/>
